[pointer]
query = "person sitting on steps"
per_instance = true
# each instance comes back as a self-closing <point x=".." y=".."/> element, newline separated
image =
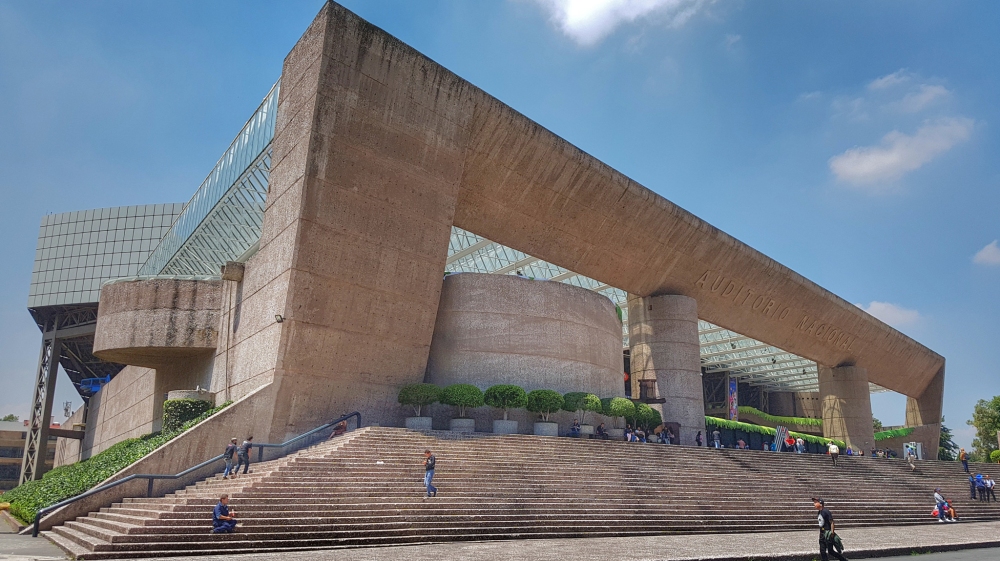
<point x="339" y="429"/>
<point x="574" y="429"/>
<point x="223" y="520"/>
<point x="601" y="432"/>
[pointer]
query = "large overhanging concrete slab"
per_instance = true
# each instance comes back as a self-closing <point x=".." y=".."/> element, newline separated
<point x="379" y="151"/>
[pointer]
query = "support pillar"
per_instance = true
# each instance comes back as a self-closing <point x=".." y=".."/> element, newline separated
<point x="37" y="440"/>
<point x="663" y="337"/>
<point x="847" y="407"/>
<point x="926" y="411"/>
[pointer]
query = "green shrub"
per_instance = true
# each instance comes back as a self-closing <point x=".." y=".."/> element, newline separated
<point x="419" y="396"/>
<point x="777" y="420"/>
<point x="995" y="456"/>
<point x="176" y="412"/>
<point x="544" y="402"/>
<point x="618" y="408"/>
<point x="582" y="402"/>
<point x="68" y="481"/>
<point x="647" y="417"/>
<point x="750" y="427"/>
<point x="463" y="396"/>
<point x="506" y="397"/>
<point x="886" y="434"/>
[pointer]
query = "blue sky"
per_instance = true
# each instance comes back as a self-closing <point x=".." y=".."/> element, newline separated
<point x="854" y="142"/>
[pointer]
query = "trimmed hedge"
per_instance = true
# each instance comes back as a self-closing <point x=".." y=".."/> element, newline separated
<point x="68" y="481"/>
<point x="506" y="397"/>
<point x="646" y="416"/>
<point x="544" y="402"/>
<point x="995" y="456"/>
<point x="618" y="408"/>
<point x="419" y="396"/>
<point x="895" y="433"/>
<point x="801" y="421"/>
<point x="176" y="412"/>
<point x="463" y="396"/>
<point x="760" y="429"/>
<point x="582" y="402"/>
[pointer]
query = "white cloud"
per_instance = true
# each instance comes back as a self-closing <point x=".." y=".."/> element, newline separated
<point x="914" y="102"/>
<point x="896" y="316"/>
<point x="589" y="21"/>
<point x="732" y="40"/>
<point x="989" y="255"/>
<point x="899" y="153"/>
<point x="889" y="80"/>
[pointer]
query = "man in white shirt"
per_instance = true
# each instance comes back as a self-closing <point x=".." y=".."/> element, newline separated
<point x="834" y="452"/>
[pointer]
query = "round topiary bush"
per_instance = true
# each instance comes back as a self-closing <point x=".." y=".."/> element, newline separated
<point x="176" y="412"/>
<point x="582" y="402"/>
<point x="647" y="417"/>
<point x="419" y="396"/>
<point x="506" y="397"/>
<point x="544" y="402"/>
<point x="463" y="396"/>
<point x="995" y="456"/>
<point x="618" y="408"/>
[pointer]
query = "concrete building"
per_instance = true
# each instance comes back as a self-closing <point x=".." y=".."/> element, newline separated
<point x="304" y="279"/>
<point x="13" y="435"/>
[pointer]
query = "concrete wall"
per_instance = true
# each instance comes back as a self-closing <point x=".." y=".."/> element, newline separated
<point x="68" y="450"/>
<point x="504" y="329"/>
<point x="847" y="408"/>
<point x="123" y="408"/>
<point x="155" y="322"/>
<point x="795" y="404"/>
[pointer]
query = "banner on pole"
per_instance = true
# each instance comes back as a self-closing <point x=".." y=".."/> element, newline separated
<point x="781" y="433"/>
<point x="734" y="412"/>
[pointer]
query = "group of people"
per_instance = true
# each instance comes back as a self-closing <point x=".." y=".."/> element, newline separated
<point x="242" y="455"/>
<point x="661" y="434"/>
<point x="981" y="487"/>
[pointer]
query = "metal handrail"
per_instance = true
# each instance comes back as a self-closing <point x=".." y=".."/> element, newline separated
<point x="152" y="477"/>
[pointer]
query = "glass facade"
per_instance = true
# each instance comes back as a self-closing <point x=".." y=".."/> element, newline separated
<point x="79" y="250"/>
<point x="223" y="219"/>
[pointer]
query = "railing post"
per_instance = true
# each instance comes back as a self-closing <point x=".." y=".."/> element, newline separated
<point x="260" y="454"/>
<point x="149" y="487"/>
<point x="34" y="530"/>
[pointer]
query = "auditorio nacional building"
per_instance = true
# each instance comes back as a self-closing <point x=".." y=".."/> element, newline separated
<point x="308" y="276"/>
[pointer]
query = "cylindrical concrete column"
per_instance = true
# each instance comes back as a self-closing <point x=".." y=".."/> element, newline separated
<point x="847" y="406"/>
<point x="663" y="337"/>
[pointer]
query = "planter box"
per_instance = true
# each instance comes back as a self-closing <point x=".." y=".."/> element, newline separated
<point x="616" y="434"/>
<point x="546" y="429"/>
<point x="504" y="427"/>
<point x="462" y="425"/>
<point x="586" y="430"/>
<point x="418" y="423"/>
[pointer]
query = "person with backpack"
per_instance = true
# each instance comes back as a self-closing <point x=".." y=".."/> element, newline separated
<point x="243" y="456"/>
<point x="229" y="453"/>
<point x="829" y="541"/>
<point x="963" y="457"/>
<point x="981" y="487"/>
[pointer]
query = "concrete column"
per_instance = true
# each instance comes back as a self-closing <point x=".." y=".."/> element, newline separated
<point x="663" y="337"/>
<point x="847" y="407"/>
<point x="926" y="411"/>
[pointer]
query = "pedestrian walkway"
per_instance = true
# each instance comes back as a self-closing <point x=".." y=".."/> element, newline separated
<point x="784" y="546"/>
<point x="17" y="548"/>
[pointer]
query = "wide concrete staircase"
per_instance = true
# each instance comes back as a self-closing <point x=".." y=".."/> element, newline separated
<point x="365" y="489"/>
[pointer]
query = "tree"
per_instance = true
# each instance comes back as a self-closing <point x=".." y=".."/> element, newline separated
<point x="647" y="417"/>
<point x="506" y="397"/>
<point x="618" y="408"/>
<point x="9" y="417"/>
<point x="463" y="396"/>
<point x="876" y="424"/>
<point x="544" y="402"/>
<point x="419" y="396"/>
<point x="582" y="402"/>
<point x="986" y="419"/>
<point x="947" y="449"/>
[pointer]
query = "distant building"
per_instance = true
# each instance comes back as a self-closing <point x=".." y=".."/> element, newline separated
<point x="12" y="437"/>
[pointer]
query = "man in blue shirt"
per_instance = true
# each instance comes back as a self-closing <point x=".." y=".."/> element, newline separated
<point x="223" y="521"/>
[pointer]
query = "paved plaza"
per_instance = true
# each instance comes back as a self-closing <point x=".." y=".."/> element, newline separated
<point x="960" y="542"/>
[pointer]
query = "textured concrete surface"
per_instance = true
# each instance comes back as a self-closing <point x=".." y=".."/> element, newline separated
<point x="503" y="329"/>
<point x="663" y="336"/>
<point x="795" y="404"/>
<point x="154" y="322"/>
<point x="859" y="544"/>
<point x="925" y="411"/>
<point x="68" y="449"/>
<point x="124" y="408"/>
<point x="847" y="406"/>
